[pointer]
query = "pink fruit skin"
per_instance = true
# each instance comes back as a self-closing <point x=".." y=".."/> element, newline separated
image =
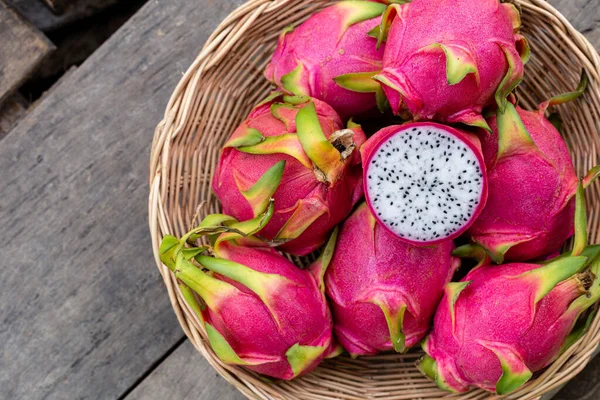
<point x="531" y="195"/>
<point x="297" y="183"/>
<point x="327" y="49"/>
<point x="370" y="147"/>
<point x="420" y="73"/>
<point x="249" y="326"/>
<point x="370" y="263"/>
<point x="498" y="310"/>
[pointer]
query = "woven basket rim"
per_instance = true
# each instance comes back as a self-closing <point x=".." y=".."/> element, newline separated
<point x="178" y="120"/>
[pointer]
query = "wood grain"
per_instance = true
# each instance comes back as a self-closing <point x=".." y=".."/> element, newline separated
<point x="57" y="6"/>
<point x="22" y="48"/>
<point x="187" y="376"/>
<point x="12" y="110"/>
<point x="84" y="312"/>
<point x="584" y="15"/>
<point x="185" y="382"/>
<point x="44" y="19"/>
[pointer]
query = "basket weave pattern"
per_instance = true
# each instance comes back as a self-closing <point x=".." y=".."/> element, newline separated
<point x="225" y="82"/>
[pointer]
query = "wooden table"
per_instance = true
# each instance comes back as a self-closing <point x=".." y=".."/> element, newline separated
<point x="84" y="313"/>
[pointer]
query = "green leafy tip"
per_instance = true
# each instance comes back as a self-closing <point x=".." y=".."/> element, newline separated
<point x="394" y="316"/>
<point x="225" y="352"/>
<point x="548" y="276"/>
<point x="459" y="62"/>
<point x="514" y="75"/>
<point x="358" y="11"/>
<point x="569" y="96"/>
<point x="427" y="366"/>
<point x="513" y="137"/>
<point x="514" y="371"/>
<point x="292" y="81"/>
<point x="581" y="238"/>
<point x="249" y="137"/>
<point x="453" y="291"/>
<point x="259" y="282"/>
<point x="319" y="267"/>
<point x="167" y="250"/>
<point x="473" y="251"/>
<point x="591" y="176"/>
<point x="260" y="194"/>
<point x="386" y="23"/>
<point x="301" y="357"/>
<point x="360" y="82"/>
<point x="329" y="162"/>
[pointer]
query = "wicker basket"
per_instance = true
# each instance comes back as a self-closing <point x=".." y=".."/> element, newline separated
<point x="219" y="90"/>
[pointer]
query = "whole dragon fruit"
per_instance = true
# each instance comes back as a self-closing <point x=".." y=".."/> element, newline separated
<point x="332" y="46"/>
<point x="383" y="291"/>
<point x="425" y="182"/>
<point x="447" y="60"/>
<point x="294" y="150"/>
<point x="259" y="310"/>
<point x="501" y="324"/>
<point x="532" y="185"/>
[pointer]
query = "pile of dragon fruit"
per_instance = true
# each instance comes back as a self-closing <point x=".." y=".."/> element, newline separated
<point x="442" y="230"/>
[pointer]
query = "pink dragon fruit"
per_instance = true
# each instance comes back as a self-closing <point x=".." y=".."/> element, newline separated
<point x="297" y="153"/>
<point x="260" y="311"/>
<point x="332" y="46"/>
<point x="425" y="182"/>
<point x="447" y="60"/>
<point x="501" y="324"/>
<point x="383" y="291"/>
<point x="532" y="185"/>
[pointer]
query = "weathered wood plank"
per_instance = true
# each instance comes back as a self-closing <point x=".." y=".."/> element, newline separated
<point x="84" y="312"/>
<point x="12" y="110"/>
<point x="76" y="42"/>
<point x="22" y="48"/>
<point x="57" y="6"/>
<point x="584" y="15"/>
<point x="186" y="376"/>
<point x="44" y="19"/>
<point x="180" y="376"/>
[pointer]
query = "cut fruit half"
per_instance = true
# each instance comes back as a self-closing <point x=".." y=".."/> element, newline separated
<point x="425" y="182"/>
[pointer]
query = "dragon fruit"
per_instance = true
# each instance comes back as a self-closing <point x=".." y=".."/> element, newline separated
<point x="500" y="324"/>
<point x="532" y="185"/>
<point x="447" y="60"/>
<point x="332" y="46"/>
<point x="294" y="150"/>
<point x="425" y="182"/>
<point x="383" y="291"/>
<point x="246" y="310"/>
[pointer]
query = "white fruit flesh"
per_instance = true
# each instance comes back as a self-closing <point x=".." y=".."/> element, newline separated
<point x="424" y="183"/>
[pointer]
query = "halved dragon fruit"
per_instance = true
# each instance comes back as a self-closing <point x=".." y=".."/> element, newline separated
<point x="246" y="287"/>
<point x="425" y="182"/>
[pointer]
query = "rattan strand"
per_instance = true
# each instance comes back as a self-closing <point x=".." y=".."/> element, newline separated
<point x="218" y="91"/>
